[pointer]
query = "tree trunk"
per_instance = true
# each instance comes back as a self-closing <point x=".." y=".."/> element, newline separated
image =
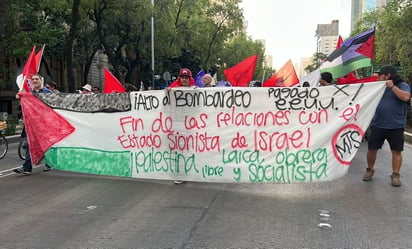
<point x="69" y="45"/>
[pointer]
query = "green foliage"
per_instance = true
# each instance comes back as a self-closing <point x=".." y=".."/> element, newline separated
<point x="197" y="34"/>
<point x="317" y="59"/>
<point x="393" y="42"/>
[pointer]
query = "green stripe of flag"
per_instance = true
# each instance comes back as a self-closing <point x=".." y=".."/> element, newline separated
<point x="90" y="161"/>
<point x="341" y="70"/>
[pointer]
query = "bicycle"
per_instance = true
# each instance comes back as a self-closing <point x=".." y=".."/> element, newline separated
<point x="4" y="144"/>
<point x="22" y="148"/>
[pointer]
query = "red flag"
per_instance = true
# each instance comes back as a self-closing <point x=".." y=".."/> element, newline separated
<point x="340" y="42"/>
<point x="111" y="84"/>
<point x="347" y="78"/>
<point x="356" y="80"/>
<point x="38" y="57"/>
<point x="29" y="69"/>
<point x="242" y="73"/>
<point x="286" y="76"/>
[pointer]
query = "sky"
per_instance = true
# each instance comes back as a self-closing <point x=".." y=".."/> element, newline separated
<point x="289" y="26"/>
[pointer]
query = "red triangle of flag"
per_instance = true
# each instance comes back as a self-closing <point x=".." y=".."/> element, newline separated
<point x="29" y="69"/>
<point x="111" y="84"/>
<point x="368" y="48"/>
<point x="339" y="43"/>
<point x="44" y="126"/>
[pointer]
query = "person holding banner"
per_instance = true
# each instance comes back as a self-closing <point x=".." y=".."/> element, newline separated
<point x="326" y="79"/>
<point x="207" y="80"/>
<point x="52" y="86"/>
<point x="389" y="123"/>
<point x="38" y="87"/>
<point x="184" y="80"/>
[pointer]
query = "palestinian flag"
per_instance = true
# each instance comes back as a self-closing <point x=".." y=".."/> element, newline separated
<point x="219" y="134"/>
<point x="356" y="52"/>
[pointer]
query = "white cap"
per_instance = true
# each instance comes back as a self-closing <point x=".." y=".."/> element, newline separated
<point x="87" y="87"/>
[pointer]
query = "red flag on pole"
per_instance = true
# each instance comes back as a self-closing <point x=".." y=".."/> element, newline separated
<point x="286" y="76"/>
<point x="242" y="73"/>
<point x="38" y="57"/>
<point x="111" y="84"/>
<point x="29" y="69"/>
<point x="339" y="43"/>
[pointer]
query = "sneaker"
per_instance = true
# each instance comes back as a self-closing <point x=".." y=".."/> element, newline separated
<point x="47" y="168"/>
<point x="395" y="180"/>
<point x="368" y="174"/>
<point x="177" y="182"/>
<point x="22" y="171"/>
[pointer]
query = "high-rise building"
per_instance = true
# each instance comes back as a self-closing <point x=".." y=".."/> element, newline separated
<point x="359" y="7"/>
<point x="327" y="37"/>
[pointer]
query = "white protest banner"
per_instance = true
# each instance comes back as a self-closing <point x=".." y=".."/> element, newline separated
<point x="275" y="135"/>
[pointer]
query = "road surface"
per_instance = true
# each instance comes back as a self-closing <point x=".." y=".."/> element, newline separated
<point x="69" y="210"/>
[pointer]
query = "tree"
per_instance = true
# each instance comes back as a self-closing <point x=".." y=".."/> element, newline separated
<point x="393" y="42"/>
<point x="239" y="49"/>
<point x="198" y="34"/>
<point x="70" y="39"/>
<point x="317" y="59"/>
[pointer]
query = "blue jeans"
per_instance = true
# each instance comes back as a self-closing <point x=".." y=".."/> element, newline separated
<point x="27" y="162"/>
<point x="27" y="166"/>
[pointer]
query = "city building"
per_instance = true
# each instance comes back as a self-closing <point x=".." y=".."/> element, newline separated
<point x="359" y="7"/>
<point x="327" y="37"/>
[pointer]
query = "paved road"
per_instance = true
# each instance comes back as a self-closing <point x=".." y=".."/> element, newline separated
<point x="68" y="210"/>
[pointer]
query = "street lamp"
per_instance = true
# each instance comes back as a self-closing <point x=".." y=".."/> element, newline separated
<point x="152" y="39"/>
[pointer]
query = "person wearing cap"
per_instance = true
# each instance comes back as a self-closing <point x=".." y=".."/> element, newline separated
<point x="184" y="80"/>
<point x="87" y="89"/>
<point x="388" y="123"/>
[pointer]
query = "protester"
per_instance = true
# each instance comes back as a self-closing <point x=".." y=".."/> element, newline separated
<point x="207" y="80"/>
<point x="389" y="123"/>
<point x="326" y="79"/>
<point x="184" y="80"/>
<point x="306" y="84"/>
<point x="87" y="89"/>
<point x="96" y="89"/>
<point x="408" y="103"/>
<point x="52" y="86"/>
<point x="37" y="83"/>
